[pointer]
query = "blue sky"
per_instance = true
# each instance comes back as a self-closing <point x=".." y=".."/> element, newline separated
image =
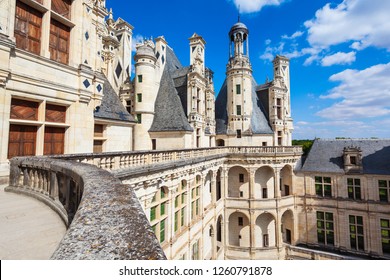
<point x="339" y="51"/>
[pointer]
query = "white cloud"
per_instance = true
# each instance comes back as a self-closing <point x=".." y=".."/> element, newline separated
<point x="364" y="94"/>
<point x="252" y="6"/>
<point x="364" y="23"/>
<point x="293" y="36"/>
<point x="136" y="40"/>
<point x="339" y="58"/>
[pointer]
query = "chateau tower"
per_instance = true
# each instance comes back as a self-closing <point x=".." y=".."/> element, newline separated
<point x="280" y="105"/>
<point x="200" y="100"/>
<point x="239" y="82"/>
<point x="146" y="87"/>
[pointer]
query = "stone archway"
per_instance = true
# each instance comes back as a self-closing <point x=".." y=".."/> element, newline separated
<point x="238" y="182"/>
<point x="286" y="180"/>
<point x="264" y="183"/>
<point x="220" y="232"/>
<point x="239" y="230"/>
<point x="207" y="192"/>
<point x="265" y="231"/>
<point x="288" y="227"/>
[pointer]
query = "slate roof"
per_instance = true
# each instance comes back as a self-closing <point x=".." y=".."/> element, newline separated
<point x="259" y="121"/>
<point x="171" y="101"/>
<point x="327" y="156"/>
<point x="111" y="107"/>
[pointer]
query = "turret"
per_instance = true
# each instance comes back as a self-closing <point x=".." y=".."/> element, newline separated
<point x="145" y="93"/>
<point x="239" y="82"/>
<point x="280" y="105"/>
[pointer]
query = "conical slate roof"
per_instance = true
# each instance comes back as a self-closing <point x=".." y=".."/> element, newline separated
<point x="111" y="107"/>
<point x="169" y="112"/>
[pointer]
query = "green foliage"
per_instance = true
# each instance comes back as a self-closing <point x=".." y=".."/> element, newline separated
<point x="306" y="145"/>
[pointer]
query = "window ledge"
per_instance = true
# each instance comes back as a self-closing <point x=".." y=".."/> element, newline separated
<point x="62" y="19"/>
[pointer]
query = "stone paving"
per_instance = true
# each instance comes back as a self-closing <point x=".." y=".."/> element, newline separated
<point x="29" y="230"/>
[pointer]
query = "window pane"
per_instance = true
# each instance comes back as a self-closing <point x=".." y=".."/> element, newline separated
<point x="329" y="216"/>
<point x="327" y="191"/>
<point x="382" y="184"/>
<point x="318" y="179"/>
<point x="320" y="215"/>
<point x="327" y="180"/>
<point x="318" y="189"/>
<point x="153" y="213"/>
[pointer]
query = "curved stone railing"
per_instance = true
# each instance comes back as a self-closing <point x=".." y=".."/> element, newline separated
<point x="107" y="220"/>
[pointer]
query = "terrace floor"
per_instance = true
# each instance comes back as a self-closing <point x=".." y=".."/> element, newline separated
<point x="29" y="230"/>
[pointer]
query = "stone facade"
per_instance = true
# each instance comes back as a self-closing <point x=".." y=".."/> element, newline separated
<point x="58" y="55"/>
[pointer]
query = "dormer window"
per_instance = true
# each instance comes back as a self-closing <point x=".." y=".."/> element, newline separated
<point x="353" y="160"/>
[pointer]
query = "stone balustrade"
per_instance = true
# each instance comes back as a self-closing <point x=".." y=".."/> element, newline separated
<point x="123" y="160"/>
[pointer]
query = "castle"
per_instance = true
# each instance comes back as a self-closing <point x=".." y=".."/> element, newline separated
<point x="66" y="88"/>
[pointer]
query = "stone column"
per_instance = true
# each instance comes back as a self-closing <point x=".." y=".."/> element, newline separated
<point x="225" y="235"/>
<point x="252" y="172"/>
<point x="225" y="182"/>
<point x="374" y="234"/>
<point x="277" y="183"/>
<point x="341" y="229"/>
<point x="45" y="35"/>
<point x="252" y="223"/>
<point x="213" y="183"/>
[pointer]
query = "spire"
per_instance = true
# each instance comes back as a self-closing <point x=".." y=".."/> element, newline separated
<point x="239" y="14"/>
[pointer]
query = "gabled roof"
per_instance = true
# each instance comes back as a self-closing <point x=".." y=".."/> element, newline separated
<point x="327" y="156"/>
<point x="259" y="121"/>
<point x="111" y="107"/>
<point x="169" y="113"/>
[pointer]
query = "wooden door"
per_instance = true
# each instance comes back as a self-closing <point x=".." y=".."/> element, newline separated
<point x="54" y="141"/>
<point x="22" y="140"/>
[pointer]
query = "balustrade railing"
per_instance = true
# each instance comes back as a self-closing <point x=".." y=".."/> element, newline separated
<point x="121" y="160"/>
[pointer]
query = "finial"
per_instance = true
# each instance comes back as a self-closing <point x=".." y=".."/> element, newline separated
<point x="110" y="14"/>
<point x="239" y="8"/>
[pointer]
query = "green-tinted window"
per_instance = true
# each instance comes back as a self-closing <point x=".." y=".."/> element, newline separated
<point x="153" y="213"/>
<point x="238" y="110"/>
<point x="162" y="231"/>
<point x="383" y="190"/>
<point x="385" y="236"/>
<point x="182" y="215"/>
<point x="325" y="228"/>
<point x="176" y="201"/>
<point x="354" y="189"/>
<point x="356" y="232"/>
<point x="162" y="193"/>
<point x="139" y="118"/>
<point x="176" y="220"/>
<point x="323" y="186"/>
<point x="162" y="209"/>
<point x="238" y="89"/>
<point x="139" y="97"/>
<point x="140" y="78"/>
